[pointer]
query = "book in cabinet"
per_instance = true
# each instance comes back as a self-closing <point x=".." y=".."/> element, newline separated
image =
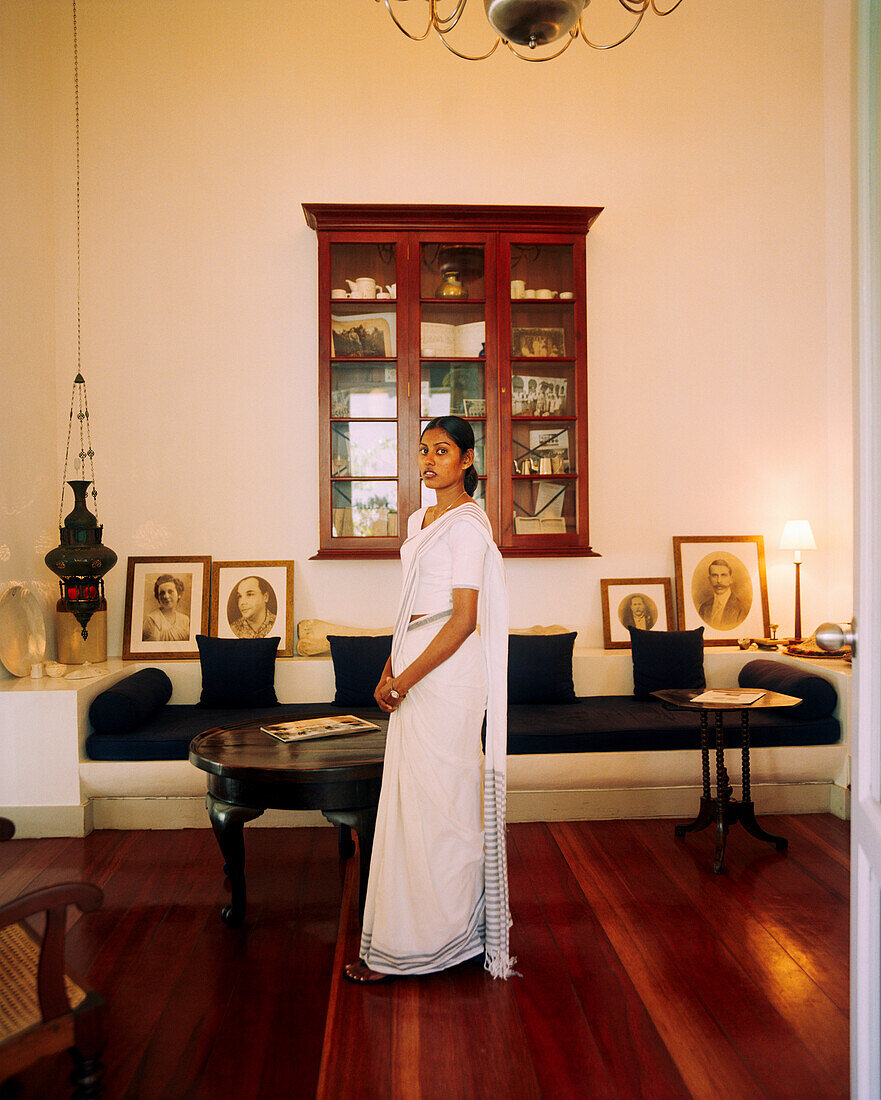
<point x="480" y="312"/>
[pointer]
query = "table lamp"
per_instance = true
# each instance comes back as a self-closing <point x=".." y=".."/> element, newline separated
<point x="797" y="536"/>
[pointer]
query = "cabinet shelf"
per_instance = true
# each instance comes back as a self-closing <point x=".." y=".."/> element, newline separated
<point x="551" y="359"/>
<point x="544" y="477"/>
<point x="452" y="301"/>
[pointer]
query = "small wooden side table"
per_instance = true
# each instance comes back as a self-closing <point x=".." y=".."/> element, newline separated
<point x="249" y="772"/>
<point x="723" y="809"/>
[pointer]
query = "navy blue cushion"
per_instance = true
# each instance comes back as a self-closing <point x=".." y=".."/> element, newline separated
<point x="667" y="659"/>
<point x="168" y="734"/>
<point x="540" y="668"/>
<point x="606" y="723"/>
<point x="237" y="672"/>
<point x="357" y="666"/>
<point x="818" y="697"/>
<point x="130" y="702"/>
<point x="620" y="723"/>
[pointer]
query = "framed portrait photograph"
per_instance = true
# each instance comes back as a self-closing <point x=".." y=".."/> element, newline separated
<point x="532" y="395"/>
<point x="166" y="606"/>
<point x="254" y="599"/>
<point x="474" y="406"/>
<point x="721" y="585"/>
<point x="365" y="336"/>
<point x="538" y="343"/>
<point x="645" y="603"/>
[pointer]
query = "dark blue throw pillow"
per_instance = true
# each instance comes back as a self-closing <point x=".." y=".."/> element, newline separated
<point x="667" y="659"/>
<point x="237" y="672"/>
<point x="357" y="666"/>
<point x="540" y="668"/>
<point x="818" y="697"/>
<point x="130" y="702"/>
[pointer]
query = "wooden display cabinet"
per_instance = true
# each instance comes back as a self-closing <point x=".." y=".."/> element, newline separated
<point x="476" y="311"/>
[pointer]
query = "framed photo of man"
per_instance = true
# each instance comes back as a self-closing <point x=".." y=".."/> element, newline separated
<point x="645" y="603"/>
<point x="254" y="599"/>
<point x="721" y="585"/>
<point x="166" y="606"/>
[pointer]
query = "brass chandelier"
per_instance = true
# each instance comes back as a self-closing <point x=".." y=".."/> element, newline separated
<point x="528" y="23"/>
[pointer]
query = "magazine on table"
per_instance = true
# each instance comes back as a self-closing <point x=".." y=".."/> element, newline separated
<point x="733" y="696"/>
<point x="306" y="728"/>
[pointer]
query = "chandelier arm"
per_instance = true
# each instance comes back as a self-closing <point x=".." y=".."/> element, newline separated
<point x="469" y="57"/>
<point x="658" y="11"/>
<point x="611" y="45"/>
<point x="403" y="29"/>
<point x="549" y="57"/>
<point x="444" y="23"/>
<point x="636" y="7"/>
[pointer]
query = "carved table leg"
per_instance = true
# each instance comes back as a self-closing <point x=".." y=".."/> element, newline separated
<point x="228" y="822"/>
<point x="706" y="813"/>
<point x="747" y="810"/>
<point x="723" y="795"/>
<point x="363" y="821"/>
<point x="345" y="843"/>
<point x="744" y="755"/>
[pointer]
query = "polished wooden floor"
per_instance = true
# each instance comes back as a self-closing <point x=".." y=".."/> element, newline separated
<point x="643" y="974"/>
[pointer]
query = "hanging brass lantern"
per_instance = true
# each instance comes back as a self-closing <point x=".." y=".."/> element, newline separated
<point x="81" y="559"/>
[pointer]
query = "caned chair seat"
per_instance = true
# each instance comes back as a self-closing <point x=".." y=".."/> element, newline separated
<point x="43" y="1009"/>
<point x="19" y="1002"/>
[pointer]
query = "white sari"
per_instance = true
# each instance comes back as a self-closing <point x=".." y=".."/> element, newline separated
<point x="438" y="888"/>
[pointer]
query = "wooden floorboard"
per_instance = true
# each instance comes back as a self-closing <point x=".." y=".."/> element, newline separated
<point x="643" y="973"/>
<point x="583" y="987"/>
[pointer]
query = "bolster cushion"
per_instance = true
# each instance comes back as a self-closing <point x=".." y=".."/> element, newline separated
<point x="129" y="703"/>
<point x="313" y="634"/>
<point x="818" y="697"/>
<point x="237" y="672"/>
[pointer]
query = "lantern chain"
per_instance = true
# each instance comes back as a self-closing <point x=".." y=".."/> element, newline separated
<point x="85" y="452"/>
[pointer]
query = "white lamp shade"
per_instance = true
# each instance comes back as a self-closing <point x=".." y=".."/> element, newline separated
<point x="797" y="535"/>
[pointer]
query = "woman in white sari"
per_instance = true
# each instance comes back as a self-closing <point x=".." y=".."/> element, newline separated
<point x="438" y="887"/>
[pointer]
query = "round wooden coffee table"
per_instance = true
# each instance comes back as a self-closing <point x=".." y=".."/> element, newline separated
<point x="723" y="809"/>
<point x="249" y="772"/>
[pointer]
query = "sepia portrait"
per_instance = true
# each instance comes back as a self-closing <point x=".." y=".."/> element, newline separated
<point x="166" y="606"/>
<point x="254" y="599"/>
<point x="721" y="585"/>
<point x="635" y="603"/>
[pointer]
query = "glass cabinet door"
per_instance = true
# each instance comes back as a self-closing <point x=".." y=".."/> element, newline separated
<point x="457" y="340"/>
<point x="544" y="415"/>
<point x="362" y="421"/>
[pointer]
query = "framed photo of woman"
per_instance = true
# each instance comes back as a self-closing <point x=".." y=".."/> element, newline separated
<point x="166" y="606"/>
<point x="721" y="585"/>
<point x="645" y="603"/>
<point x="254" y="599"/>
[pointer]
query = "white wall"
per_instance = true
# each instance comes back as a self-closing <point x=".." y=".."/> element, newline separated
<point x="719" y="322"/>
<point x="29" y="482"/>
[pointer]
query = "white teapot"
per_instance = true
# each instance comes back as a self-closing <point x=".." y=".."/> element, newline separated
<point x="364" y="287"/>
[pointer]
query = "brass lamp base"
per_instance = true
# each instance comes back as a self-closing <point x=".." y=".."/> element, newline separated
<point x="72" y="650"/>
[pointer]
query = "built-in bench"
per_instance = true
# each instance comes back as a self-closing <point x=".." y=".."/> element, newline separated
<point x="596" y="750"/>
<point x="51" y="785"/>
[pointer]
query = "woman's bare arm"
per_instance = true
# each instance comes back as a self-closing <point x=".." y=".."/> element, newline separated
<point x="386" y="675"/>
<point x="460" y="625"/>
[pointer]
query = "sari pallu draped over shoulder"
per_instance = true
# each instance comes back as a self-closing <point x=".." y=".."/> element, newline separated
<point x="492" y="614"/>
